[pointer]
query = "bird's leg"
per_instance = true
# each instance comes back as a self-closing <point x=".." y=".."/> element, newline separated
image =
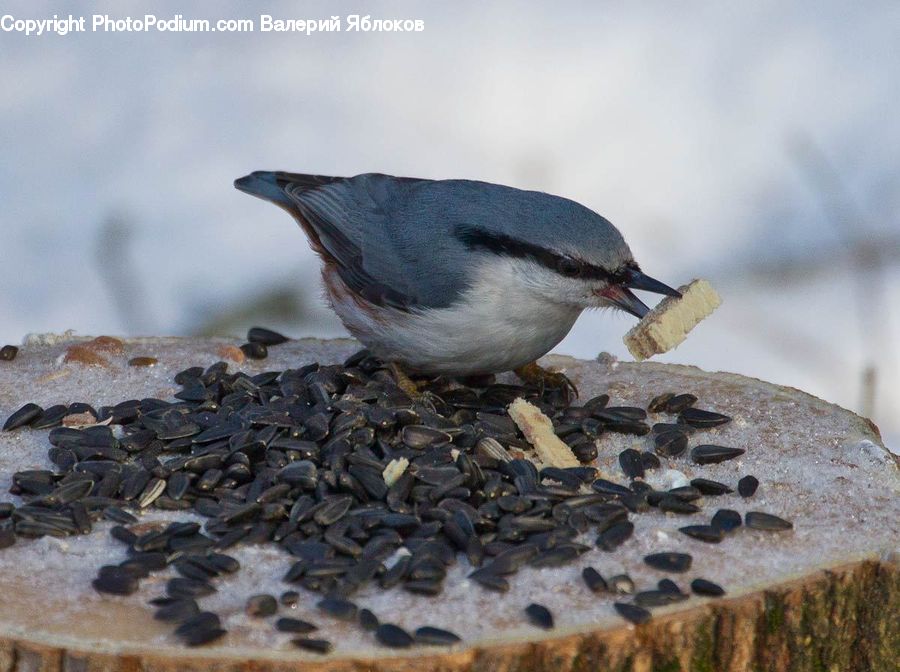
<point x="404" y="382"/>
<point x="537" y="375"/>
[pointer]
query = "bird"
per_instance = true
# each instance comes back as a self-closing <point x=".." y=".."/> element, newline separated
<point x="457" y="277"/>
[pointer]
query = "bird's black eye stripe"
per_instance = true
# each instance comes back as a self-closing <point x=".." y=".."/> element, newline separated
<point x="477" y="238"/>
<point x="569" y="267"/>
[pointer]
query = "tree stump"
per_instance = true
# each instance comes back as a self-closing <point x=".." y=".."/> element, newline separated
<point x="822" y="596"/>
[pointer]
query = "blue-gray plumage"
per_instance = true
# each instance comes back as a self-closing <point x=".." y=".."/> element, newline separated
<point x="456" y="276"/>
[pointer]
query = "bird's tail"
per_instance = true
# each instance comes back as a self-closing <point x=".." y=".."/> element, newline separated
<point x="271" y="185"/>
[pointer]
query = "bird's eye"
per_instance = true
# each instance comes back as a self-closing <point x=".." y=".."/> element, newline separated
<point x="568" y="267"/>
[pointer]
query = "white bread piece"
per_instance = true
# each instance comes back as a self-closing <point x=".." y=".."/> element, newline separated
<point x="538" y="430"/>
<point x="667" y="325"/>
<point x="394" y="470"/>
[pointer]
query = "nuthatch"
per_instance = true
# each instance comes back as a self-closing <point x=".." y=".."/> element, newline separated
<point x="457" y="277"/>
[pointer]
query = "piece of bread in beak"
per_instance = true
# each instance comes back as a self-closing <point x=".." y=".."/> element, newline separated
<point x="667" y="325"/>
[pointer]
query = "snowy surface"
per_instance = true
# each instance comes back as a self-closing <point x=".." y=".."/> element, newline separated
<point x="819" y="466"/>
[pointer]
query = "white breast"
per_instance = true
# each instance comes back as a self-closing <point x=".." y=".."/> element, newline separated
<point x="497" y="325"/>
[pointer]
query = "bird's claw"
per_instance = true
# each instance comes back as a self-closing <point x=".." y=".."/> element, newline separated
<point x="544" y="378"/>
<point x="404" y="382"/>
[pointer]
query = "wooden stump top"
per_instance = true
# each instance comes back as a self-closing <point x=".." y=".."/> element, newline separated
<point x="820" y="593"/>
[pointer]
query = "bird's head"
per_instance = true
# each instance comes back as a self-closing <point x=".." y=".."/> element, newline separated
<point x="571" y="256"/>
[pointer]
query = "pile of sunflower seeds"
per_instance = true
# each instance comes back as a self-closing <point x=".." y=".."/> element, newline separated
<point x="298" y="458"/>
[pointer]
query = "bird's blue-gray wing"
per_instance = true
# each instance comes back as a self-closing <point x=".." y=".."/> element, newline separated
<point x="386" y="246"/>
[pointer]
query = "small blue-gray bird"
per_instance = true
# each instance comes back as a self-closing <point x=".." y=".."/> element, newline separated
<point x="457" y="277"/>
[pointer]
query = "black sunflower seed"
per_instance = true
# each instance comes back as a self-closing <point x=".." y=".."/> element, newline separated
<point x="708" y="533"/>
<point x="393" y="636"/>
<point x="686" y="493"/>
<point x="618" y="413"/>
<point x="650" y="461"/>
<point x="658" y="403"/>
<point x="555" y="557"/>
<point x="712" y="454"/>
<point x="539" y="616"/>
<point x="701" y="419"/>
<point x="322" y="646"/>
<point x="435" y="636"/>
<point x="487" y="579"/>
<point x="563" y="476"/>
<point x="747" y="486"/>
<point x="151" y="492"/>
<point x="182" y="587"/>
<point x="333" y="509"/>
<point x="260" y="605"/>
<point x="192" y="571"/>
<point x="265" y="336"/>
<point x="255" y="350"/>
<point x="712" y="488"/>
<point x="343" y="610"/>
<point x="201" y="629"/>
<point x="726" y="520"/>
<point x="596" y="403"/>
<point x="606" y="487"/>
<point x="670" y="443"/>
<point x="672" y="504"/>
<point x="178" y="484"/>
<point x="669" y="561"/>
<point x="595" y="582"/>
<point x="24" y="416"/>
<point x="202" y="621"/>
<point x="658" y="598"/>
<point x="669" y="585"/>
<point x="368" y="620"/>
<point x="707" y="588"/>
<point x="153" y="562"/>
<point x="50" y="417"/>
<point x="120" y="582"/>
<point x="177" y="610"/>
<point x="757" y="520"/>
<point x="680" y="402"/>
<point x="632" y="613"/>
<point x="7" y="538"/>
<point x="420" y="437"/>
<point x="430" y="587"/>
<point x="224" y="563"/>
<point x="395" y="573"/>
<point x="613" y="537"/>
<point x="295" y="625"/>
<point x="191" y="373"/>
<point x="631" y="463"/>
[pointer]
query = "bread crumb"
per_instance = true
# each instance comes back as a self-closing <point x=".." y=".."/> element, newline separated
<point x="232" y="352"/>
<point x="394" y="470"/>
<point x="79" y="419"/>
<point x="108" y="344"/>
<point x="538" y="430"/>
<point x="667" y="325"/>
<point x="82" y="354"/>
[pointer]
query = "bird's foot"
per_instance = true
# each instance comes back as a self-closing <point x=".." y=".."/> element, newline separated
<point x="544" y="378"/>
<point x="404" y="382"/>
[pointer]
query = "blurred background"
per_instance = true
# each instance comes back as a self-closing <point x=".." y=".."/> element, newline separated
<point x="754" y="144"/>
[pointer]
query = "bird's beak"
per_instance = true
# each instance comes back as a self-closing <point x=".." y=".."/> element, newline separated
<point x="620" y="297"/>
<point x="637" y="280"/>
